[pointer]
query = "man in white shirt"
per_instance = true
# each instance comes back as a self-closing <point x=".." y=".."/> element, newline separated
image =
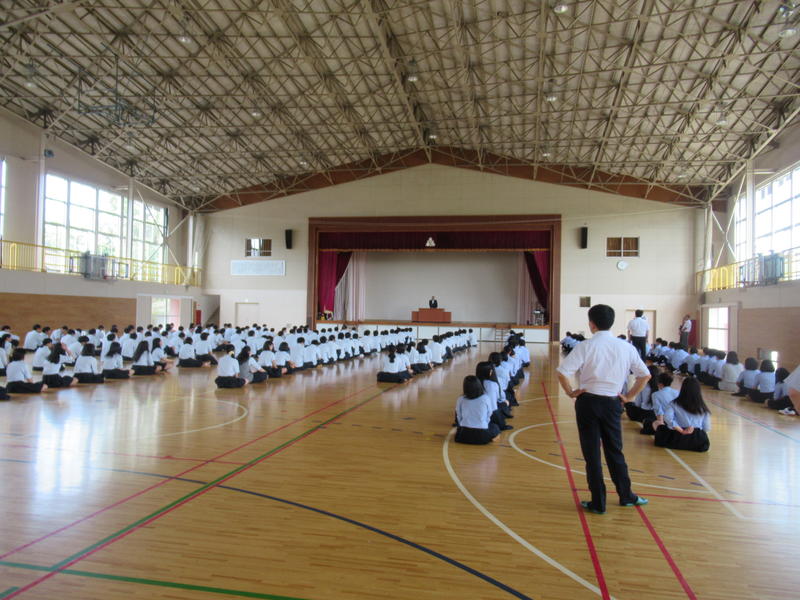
<point x="603" y="363"/>
<point x="685" y="329"/>
<point x="637" y="332"/>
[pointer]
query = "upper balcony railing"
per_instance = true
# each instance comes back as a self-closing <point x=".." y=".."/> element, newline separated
<point x="767" y="269"/>
<point x="20" y="256"/>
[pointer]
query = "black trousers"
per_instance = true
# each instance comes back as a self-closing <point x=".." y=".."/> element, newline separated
<point x="57" y="381"/>
<point x="637" y="413"/>
<point x="207" y="358"/>
<point x="780" y="403"/>
<point x="599" y="421"/>
<point x="229" y="382"/>
<point x="468" y="435"/>
<point x="191" y="363"/>
<point x="90" y="378"/>
<point x="23" y="387"/>
<point x="400" y="377"/>
<point x="116" y="374"/>
<point x="639" y="343"/>
<point x="697" y="441"/>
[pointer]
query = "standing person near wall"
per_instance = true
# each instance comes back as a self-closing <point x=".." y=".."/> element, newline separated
<point x="604" y="363"/>
<point x="685" y="329"/>
<point x="637" y="331"/>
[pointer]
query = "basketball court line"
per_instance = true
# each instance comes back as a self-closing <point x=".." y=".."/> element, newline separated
<point x="587" y="533"/>
<point x="505" y="528"/>
<point x="754" y="420"/>
<point x="197" y="466"/>
<point x="124" y="532"/>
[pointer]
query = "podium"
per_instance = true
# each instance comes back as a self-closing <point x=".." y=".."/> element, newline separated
<point x="431" y="315"/>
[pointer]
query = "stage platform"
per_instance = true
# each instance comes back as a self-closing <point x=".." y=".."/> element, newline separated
<point x="486" y="332"/>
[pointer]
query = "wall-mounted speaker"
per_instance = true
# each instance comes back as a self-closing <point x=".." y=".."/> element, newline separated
<point x="288" y="234"/>
<point x="584" y="237"/>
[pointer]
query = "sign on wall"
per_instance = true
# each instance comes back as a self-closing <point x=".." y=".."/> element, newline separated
<point x="258" y="267"/>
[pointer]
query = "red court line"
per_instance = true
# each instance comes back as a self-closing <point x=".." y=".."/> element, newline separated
<point x="182" y="473"/>
<point x="661" y="546"/>
<point x="716" y="500"/>
<point x="598" y="570"/>
<point x="77" y="559"/>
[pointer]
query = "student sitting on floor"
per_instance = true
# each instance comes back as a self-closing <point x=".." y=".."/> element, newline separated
<point x="143" y="363"/>
<point x="283" y="358"/>
<point x="392" y="369"/>
<point x="267" y="360"/>
<point x="780" y="397"/>
<point x="18" y="377"/>
<point x="641" y="409"/>
<point x="730" y="373"/>
<point x="187" y="357"/>
<point x="53" y="364"/>
<point x="660" y="399"/>
<point x="765" y="383"/>
<point x="686" y="421"/>
<point x="484" y="371"/>
<point x="249" y="369"/>
<point x="688" y="367"/>
<point x="473" y="414"/>
<point x="41" y="354"/>
<point x="86" y="369"/>
<point x="112" y="363"/>
<point x="158" y="356"/>
<point x="3" y="358"/>
<point x="716" y="365"/>
<point x="129" y="343"/>
<point x="420" y="361"/>
<point x="228" y="370"/>
<point x="748" y="378"/>
<point x="311" y="356"/>
<point x="203" y="349"/>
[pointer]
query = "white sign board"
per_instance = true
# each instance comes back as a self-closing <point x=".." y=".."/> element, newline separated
<point x="258" y="267"/>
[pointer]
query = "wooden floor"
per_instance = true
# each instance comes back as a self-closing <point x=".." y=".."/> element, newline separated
<point x="327" y="486"/>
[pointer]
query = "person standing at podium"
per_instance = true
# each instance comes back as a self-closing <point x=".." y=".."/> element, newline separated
<point x="433" y="303"/>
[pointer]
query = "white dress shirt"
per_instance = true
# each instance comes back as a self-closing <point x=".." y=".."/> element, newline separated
<point x="638" y="327"/>
<point x="474" y="413"/>
<point x="792" y="381"/>
<point x="604" y="362"/>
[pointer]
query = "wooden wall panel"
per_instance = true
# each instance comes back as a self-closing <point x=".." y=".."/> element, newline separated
<point x="21" y="311"/>
<point x="771" y="329"/>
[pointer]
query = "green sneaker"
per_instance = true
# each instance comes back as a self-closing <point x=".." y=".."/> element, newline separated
<point x="638" y="502"/>
<point x="588" y="506"/>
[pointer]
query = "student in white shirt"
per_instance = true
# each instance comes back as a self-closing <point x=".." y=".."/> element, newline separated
<point x="765" y="383"/>
<point x="660" y="399"/>
<point x="159" y="357"/>
<point x="3" y="360"/>
<point x="228" y="370"/>
<point x="730" y="373"/>
<point x="638" y="327"/>
<point x="686" y="422"/>
<point x="780" y="397"/>
<point x="142" y="360"/>
<point x="473" y="415"/>
<point x="249" y="369"/>
<point x="203" y="349"/>
<point x="187" y="356"/>
<point x="641" y="409"/>
<point x="311" y="355"/>
<point x="501" y="410"/>
<point x="53" y="364"/>
<point x="284" y="359"/>
<point x="747" y="380"/>
<point x="296" y="354"/>
<point x="267" y="360"/>
<point x="129" y="343"/>
<point x="41" y="354"/>
<point x="792" y="387"/>
<point x="393" y="369"/>
<point x="32" y="339"/>
<point x="112" y="363"/>
<point x="603" y="364"/>
<point x="18" y="377"/>
<point x="86" y="369"/>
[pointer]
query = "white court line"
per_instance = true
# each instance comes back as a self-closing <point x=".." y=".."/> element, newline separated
<point x="719" y="497"/>
<point x="505" y="528"/>
<point x="239" y="418"/>
<point x="511" y="440"/>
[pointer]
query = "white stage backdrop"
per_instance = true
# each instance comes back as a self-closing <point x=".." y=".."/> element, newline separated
<point x="474" y="286"/>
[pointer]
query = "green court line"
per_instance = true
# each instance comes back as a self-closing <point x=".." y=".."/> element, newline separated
<point x="59" y="565"/>
<point x="139" y="580"/>
<point x="8" y="591"/>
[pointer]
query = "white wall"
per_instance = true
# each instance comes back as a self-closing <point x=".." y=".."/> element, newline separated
<point x="661" y="279"/>
<point x="473" y="286"/>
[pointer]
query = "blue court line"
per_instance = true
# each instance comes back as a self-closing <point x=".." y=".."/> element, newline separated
<point x="451" y="561"/>
<point x="754" y="421"/>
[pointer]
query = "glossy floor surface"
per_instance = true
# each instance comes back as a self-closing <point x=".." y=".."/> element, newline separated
<point x="326" y="485"/>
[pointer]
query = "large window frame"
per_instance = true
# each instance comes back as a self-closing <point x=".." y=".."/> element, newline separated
<point x="770" y="222"/>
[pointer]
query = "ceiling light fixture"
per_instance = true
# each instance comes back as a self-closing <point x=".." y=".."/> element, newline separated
<point x="303" y="163"/>
<point x="412" y="77"/>
<point x="550" y="97"/>
<point x="560" y="8"/>
<point x="787" y="13"/>
<point x="788" y="31"/>
<point x="432" y="136"/>
<point x="255" y="113"/>
<point x="184" y="39"/>
<point x="722" y="119"/>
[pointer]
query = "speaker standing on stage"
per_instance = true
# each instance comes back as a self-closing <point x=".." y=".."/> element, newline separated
<point x="604" y="362"/>
<point x="432" y="303"/>
<point x="637" y="330"/>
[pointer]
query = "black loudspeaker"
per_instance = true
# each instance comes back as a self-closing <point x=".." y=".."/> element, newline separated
<point x="584" y="238"/>
<point x="288" y="234"/>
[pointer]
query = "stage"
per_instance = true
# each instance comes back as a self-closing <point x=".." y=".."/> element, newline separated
<point x="486" y="332"/>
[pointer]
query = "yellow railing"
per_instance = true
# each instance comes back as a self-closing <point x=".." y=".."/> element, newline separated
<point x="21" y="256"/>
<point x="762" y="270"/>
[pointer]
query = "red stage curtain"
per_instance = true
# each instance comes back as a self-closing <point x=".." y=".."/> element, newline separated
<point x="538" y="264"/>
<point x="445" y="240"/>
<point x="330" y="269"/>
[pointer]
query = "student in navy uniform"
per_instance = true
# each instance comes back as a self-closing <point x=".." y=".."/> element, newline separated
<point x="228" y="370"/>
<point x="473" y="414"/>
<point x="603" y="363"/>
<point x="112" y="363"/>
<point x="765" y="383"/>
<point x="686" y="421"/>
<point x="18" y="377"/>
<point x="86" y="369"/>
<point x="53" y="364"/>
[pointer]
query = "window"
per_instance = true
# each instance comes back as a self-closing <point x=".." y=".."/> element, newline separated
<point x="257" y="247"/>
<point x="718" y="328"/>
<point x="770" y="223"/>
<point x="622" y="246"/>
<point x="165" y="310"/>
<point x="2" y="196"/>
<point x="82" y="217"/>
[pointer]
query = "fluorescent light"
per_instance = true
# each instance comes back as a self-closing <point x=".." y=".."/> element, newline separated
<point x="787" y="31"/>
<point x="412" y="77"/>
<point x="560" y="8"/>
<point x="551" y="97"/>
